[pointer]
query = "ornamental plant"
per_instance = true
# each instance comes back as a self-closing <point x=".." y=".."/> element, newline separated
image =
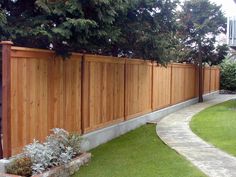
<point x="20" y="166"/>
<point x="59" y="148"/>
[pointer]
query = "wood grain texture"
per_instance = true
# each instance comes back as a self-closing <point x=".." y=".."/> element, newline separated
<point x="217" y="78"/>
<point x="6" y="98"/>
<point x="197" y="81"/>
<point x="103" y="92"/>
<point x="161" y="86"/>
<point x="206" y="79"/>
<point x="190" y="82"/>
<point x="45" y="93"/>
<point x="213" y="79"/>
<point x="178" y="83"/>
<point x="138" y="91"/>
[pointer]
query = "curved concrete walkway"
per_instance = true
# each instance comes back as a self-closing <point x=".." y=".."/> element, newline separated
<point x="174" y="130"/>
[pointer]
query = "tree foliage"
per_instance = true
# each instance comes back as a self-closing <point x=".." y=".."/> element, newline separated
<point x="140" y="28"/>
<point x="133" y="28"/>
<point x="200" y="21"/>
<point x="228" y="75"/>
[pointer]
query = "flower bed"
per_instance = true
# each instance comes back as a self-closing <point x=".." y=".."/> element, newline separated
<point x="63" y="170"/>
<point x="58" y="156"/>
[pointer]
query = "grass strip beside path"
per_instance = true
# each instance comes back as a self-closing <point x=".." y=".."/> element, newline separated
<point x="139" y="153"/>
<point x="217" y="125"/>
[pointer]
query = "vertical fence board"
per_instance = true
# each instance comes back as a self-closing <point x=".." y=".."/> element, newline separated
<point x="206" y="80"/>
<point x="161" y="86"/>
<point x="103" y="92"/>
<point x="6" y="98"/>
<point x="190" y="82"/>
<point x="45" y="93"/>
<point x="213" y="80"/>
<point x="217" y="79"/>
<point x="138" y="94"/>
<point x="177" y="92"/>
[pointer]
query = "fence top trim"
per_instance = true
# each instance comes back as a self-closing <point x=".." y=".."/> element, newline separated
<point x="31" y="49"/>
<point x="6" y="43"/>
<point x="15" y="48"/>
<point x="182" y="64"/>
<point x="23" y="52"/>
<point x="138" y="61"/>
<point x="160" y="65"/>
<point x="101" y="58"/>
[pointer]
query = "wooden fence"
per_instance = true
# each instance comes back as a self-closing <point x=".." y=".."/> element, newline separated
<point x="86" y="92"/>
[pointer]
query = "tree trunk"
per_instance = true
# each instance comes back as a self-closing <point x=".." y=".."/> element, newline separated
<point x="200" y="98"/>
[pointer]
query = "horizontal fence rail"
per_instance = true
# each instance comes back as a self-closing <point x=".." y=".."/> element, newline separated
<point x="42" y="91"/>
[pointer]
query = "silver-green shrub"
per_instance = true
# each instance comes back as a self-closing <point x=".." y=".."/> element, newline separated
<point x="59" y="148"/>
<point x="74" y="140"/>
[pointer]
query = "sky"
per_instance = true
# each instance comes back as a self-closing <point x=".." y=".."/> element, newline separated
<point x="228" y="6"/>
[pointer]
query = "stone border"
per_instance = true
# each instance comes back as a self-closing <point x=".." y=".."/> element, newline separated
<point x="98" y="137"/>
<point x="61" y="171"/>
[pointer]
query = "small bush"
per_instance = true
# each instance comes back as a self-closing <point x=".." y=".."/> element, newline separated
<point x="228" y="75"/>
<point x="74" y="140"/>
<point x="20" y="166"/>
<point x="42" y="157"/>
<point x="59" y="148"/>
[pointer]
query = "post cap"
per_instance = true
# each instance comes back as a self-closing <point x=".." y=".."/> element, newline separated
<point x="6" y="43"/>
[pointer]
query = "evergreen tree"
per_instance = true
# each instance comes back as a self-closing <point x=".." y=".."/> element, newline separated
<point x="200" y="21"/>
<point x="138" y="28"/>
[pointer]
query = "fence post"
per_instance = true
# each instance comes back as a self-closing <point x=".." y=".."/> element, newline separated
<point x="82" y="93"/>
<point x="218" y="84"/>
<point x="171" y="84"/>
<point x="152" y="86"/>
<point x="210" y="80"/>
<point x="6" y="97"/>
<point x="125" y="89"/>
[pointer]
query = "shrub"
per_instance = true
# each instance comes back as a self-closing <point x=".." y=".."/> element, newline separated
<point x="59" y="148"/>
<point x="42" y="157"/>
<point x="228" y="75"/>
<point x="74" y="140"/>
<point x="20" y="166"/>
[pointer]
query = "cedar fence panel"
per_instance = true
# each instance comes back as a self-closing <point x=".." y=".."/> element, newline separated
<point x="161" y="86"/>
<point x="177" y="83"/>
<point x="206" y="79"/>
<point x="45" y="93"/>
<point x="213" y="79"/>
<point x="103" y="93"/>
<point x="86" y="92"/>
<point x="197" y="81"/>
<point x="217" y="78"/>
<point x="189" y="82"/>
<point x="138" y="88"/>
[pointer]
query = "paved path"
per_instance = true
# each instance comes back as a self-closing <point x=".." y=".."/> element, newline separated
<point x="175" y="132"/>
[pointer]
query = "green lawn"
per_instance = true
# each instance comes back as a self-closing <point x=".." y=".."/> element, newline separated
<point x="217" y="125"/>
<point x="139" y="153"/>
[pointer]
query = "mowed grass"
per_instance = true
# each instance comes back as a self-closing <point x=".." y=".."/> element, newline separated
<point x="217" y="125"/>
<point x="139" y="153"/>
